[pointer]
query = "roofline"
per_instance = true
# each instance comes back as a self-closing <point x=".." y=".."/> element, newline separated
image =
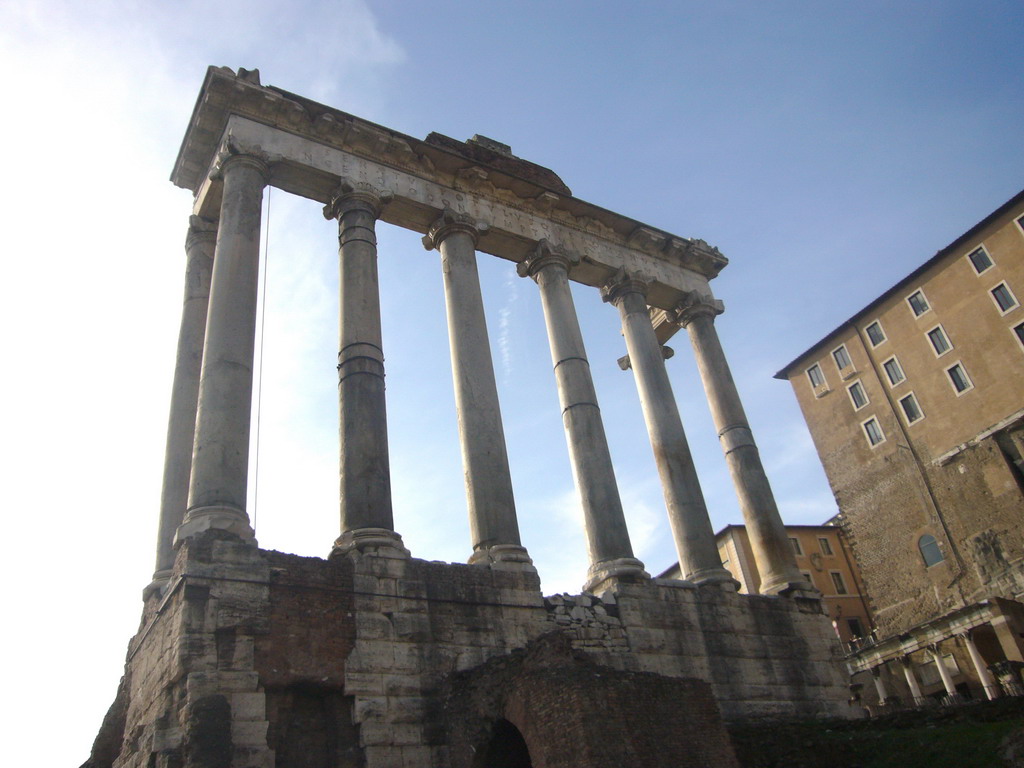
<point x="783" y="373"/>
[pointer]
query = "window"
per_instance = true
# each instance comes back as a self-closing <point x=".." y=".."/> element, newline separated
<point x="1018" y="331"/>
<point x="855" y="627"/>
<point x="893" y="371"/>
<point x="930" y="552"/>
<point x="873" y="432"/>
<point x="911" y="410"/>
<point x="918" y="303"/>
<point x="958" y="377"/>
<point x="1020" y="223"/>
<point x="838" y="583"/>
<point x="815" y="375"/>
<point x="857" y="395"/>
<point x="826" y="548"/>
<point x="940" y="341"/>
<point x="842" y="357"/>
<point x="1003" y="298"/>
<point x="875" y="333"/>
<point x="796" y="546"/>
<point x="980" y="259"/>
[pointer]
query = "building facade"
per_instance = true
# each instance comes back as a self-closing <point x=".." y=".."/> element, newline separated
<point x="916" y="408"/>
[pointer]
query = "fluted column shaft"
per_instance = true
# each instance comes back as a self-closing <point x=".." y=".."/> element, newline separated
<point x="908" y="673"/>
<point x="181" y="423"/>
<point x="947" y="679"/>
<point x="773" y="553"/>
<point x="492" y="509"/>
<point x="365" y="475"/>
<point x="611" y="554"/>
<point x="687" y="510"/>
<point x="220" y="459"/>
<point x="984" y="677"/>
<point x="876" y="676"/>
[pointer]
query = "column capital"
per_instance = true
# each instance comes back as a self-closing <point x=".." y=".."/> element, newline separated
<point x="352" y="195"/>
<point x="695" y="305"/>
<point x="233" y="152"/>
<point x="199" y="229"/>
<point x="450" y="222"/>
<point x="624" y="283"/>
<point x="544" y="255"/>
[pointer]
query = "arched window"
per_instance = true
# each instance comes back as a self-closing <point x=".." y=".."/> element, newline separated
<point x="930" y="552"/>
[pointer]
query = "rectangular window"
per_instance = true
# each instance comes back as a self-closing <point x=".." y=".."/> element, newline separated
<point x="796" y="546"/>
<point x="1003" y="298"/>
<point x="910" y="408"/>
<point x="958" y="377"/>
<point x="918" y="303"/>
<point x="893" y="371"/>
<point x="855" y="627"/>
<point x="838" y="583"/>
<point x="826" y="548"/>
<point x="875" y="333"/>
<point x="817" y="378"/>
<point x="940" y="341"/>
<point x="980" y="259"/>
<point x="1018" y="331"/>
<point x="857" y="395"/>
<point x="1020" y="223"/>
<point x="873" y="432"/>
<point x="842" y="357"/>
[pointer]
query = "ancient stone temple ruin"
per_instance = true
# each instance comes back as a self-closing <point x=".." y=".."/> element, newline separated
<point x="372" y="657"/>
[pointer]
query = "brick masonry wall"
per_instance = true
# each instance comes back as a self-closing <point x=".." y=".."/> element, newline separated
<point x="263" y="659"/>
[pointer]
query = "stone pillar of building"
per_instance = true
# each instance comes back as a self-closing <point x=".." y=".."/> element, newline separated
<point x="611" y="555"/>
<point x="367" y="521"/>
<point x="492" y="509"/>
<point x="694" y="537"/>
<point x="220" y="456"/>
<point x="984" y="677"/>
<point x="1009" y="633"/>
<point x="773" y="553"/>
<point x="947" y="679"/>
<point x="908" y="673"/>
<point x="876" y="677"/>
<point x="181" y="424"/>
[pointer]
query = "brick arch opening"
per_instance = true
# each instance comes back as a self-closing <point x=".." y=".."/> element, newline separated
<point x="506" y="749"/>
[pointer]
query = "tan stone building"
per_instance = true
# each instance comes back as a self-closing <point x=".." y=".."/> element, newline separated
<point x="825" y="561"/>
<point x="916" y="407"/>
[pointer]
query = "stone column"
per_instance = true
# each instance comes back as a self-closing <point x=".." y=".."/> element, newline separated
<point x="492" y="509"/>
<point x="772" y="551"/>
<point x="220" y="456"/>
<point x="947" y="679"/>
<point x="876" y="676"/>
<point x="687" y="511"/>
<point x="990" y="686"/>
<point x="908" y="673"/>
<point x="181" y="424"/>
<point x="611" y="555"/>
<point x="366" y="516"/>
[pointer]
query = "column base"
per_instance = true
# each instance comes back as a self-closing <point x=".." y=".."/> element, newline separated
<point x="788" y="586"/>
<point x="370" y="541"/>
<point x="718" y="577"/>
<point x="157" y="586"/>
<point x="602" y="576"/>
<point x="511" y="557"/>
<point x="230" y="519"/>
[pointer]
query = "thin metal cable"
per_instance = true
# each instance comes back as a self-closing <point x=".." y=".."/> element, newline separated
<point x="259" y="379"/>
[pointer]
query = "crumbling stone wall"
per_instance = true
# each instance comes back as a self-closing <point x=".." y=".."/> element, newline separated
<point x="257" y="658"/>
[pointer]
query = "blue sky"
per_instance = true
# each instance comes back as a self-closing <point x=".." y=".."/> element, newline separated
<point x="827" y="148"/>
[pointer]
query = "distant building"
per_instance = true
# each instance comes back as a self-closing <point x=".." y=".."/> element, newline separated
<point x="825" y="561"/>
<point x="916" y="407"/>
